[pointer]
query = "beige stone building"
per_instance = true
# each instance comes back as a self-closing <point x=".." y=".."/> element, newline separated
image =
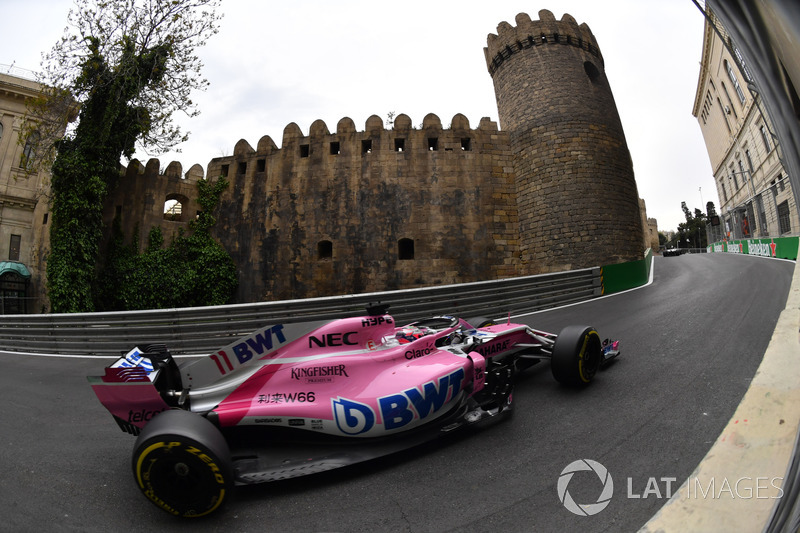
<point x="23" y="202"/>
<point x="752" y="183"/>
<point x="650" y="228"/>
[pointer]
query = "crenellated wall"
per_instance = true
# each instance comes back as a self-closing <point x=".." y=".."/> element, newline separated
<point x="140" y="195"/>
<point x="325" y="214"/>
<point x="354" y="211"/>
<point x="449" y="191"/>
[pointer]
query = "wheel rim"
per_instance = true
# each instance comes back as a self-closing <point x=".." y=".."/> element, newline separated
<point x="180" y="478"/>
<point x="590" y="356"/>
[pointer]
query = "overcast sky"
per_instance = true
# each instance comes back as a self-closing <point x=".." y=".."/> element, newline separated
<point x="278" y="62"/>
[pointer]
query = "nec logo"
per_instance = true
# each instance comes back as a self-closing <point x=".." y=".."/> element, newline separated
<point x="332" y="339"/>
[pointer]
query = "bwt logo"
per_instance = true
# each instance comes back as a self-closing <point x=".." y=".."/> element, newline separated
<point x="585" y="509"/>
<point x="352" y="418"/>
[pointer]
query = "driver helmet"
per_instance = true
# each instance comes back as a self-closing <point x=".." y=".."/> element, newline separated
<point x="409" y="334"/>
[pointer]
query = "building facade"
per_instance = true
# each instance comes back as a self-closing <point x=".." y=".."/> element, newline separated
<point x="766" y="34"/>
<point x="23" y="202"/>
<point x="752" y="183"/>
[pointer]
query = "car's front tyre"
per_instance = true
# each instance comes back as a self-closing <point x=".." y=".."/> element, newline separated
<point x="576" y="355"/>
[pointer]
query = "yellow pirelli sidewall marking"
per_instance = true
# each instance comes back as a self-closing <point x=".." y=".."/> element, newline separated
<point x="145" y="454"/>
<point x="173" y="444"/>
<point x="582" y="355"/>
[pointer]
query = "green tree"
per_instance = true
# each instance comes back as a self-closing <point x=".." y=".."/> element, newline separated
<point x="692" y="233"/>
<point x="130" y="65"/>
<point x="192" y="271"/>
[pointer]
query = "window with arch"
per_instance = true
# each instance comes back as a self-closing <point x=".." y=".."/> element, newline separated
<point x="730" y="102"/>
<point x="405" y="249"/>
<point x="765" y="138"/>
<point x="784" y="221"/>
<point x="29" y="151"/>
<point x="14" y="247"/>
<point x="724" y="116"/>
<point x="749" y="159"/>
<point x="735" y="82"/>
<point x="175" y="207"/>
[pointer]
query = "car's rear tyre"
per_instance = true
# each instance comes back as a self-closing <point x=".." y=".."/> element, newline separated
<point x="576" y="355"/>
<point x="182" y="464"/>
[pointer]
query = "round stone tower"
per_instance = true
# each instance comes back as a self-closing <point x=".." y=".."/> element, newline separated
<point x="576" y="193"/>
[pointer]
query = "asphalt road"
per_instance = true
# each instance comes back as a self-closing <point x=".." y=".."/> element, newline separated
<point x="691" y="343"/>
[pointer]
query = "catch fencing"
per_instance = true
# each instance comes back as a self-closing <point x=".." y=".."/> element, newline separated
<point x="199" y="330"/>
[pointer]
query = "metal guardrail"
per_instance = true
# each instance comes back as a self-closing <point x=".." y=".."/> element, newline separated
<point x="199" y="330"/>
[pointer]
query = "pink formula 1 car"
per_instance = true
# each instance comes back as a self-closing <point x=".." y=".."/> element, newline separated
<point x="295" y="399"/>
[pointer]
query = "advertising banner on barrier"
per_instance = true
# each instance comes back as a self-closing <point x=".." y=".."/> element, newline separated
<point x="781" y="247"/>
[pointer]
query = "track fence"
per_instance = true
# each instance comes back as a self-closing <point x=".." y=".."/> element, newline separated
<point x="199" y="330"/>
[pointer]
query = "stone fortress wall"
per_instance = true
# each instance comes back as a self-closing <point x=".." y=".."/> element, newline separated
<point x="576" y="193"/>
<point x="399" y="207"/>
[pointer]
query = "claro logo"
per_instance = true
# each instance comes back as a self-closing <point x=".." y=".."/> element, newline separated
<point x="414" y="354"/>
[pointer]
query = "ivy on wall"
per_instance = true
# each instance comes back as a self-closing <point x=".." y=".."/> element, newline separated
<point x="192" y="271"/>
<point x="123" y="68"/>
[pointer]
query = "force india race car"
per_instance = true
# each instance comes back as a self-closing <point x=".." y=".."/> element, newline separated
<point x="295" y="399"/>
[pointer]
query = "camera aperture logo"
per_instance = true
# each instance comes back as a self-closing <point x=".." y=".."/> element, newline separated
<point x="585" y="509"/>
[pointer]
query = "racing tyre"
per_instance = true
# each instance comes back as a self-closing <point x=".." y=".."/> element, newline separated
<point x="576" y="355"/>
<point x="182" y="464"/>
<point x="481" y="322"/>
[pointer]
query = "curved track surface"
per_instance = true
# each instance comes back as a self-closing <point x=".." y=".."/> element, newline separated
<point x="691" y="343"/>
